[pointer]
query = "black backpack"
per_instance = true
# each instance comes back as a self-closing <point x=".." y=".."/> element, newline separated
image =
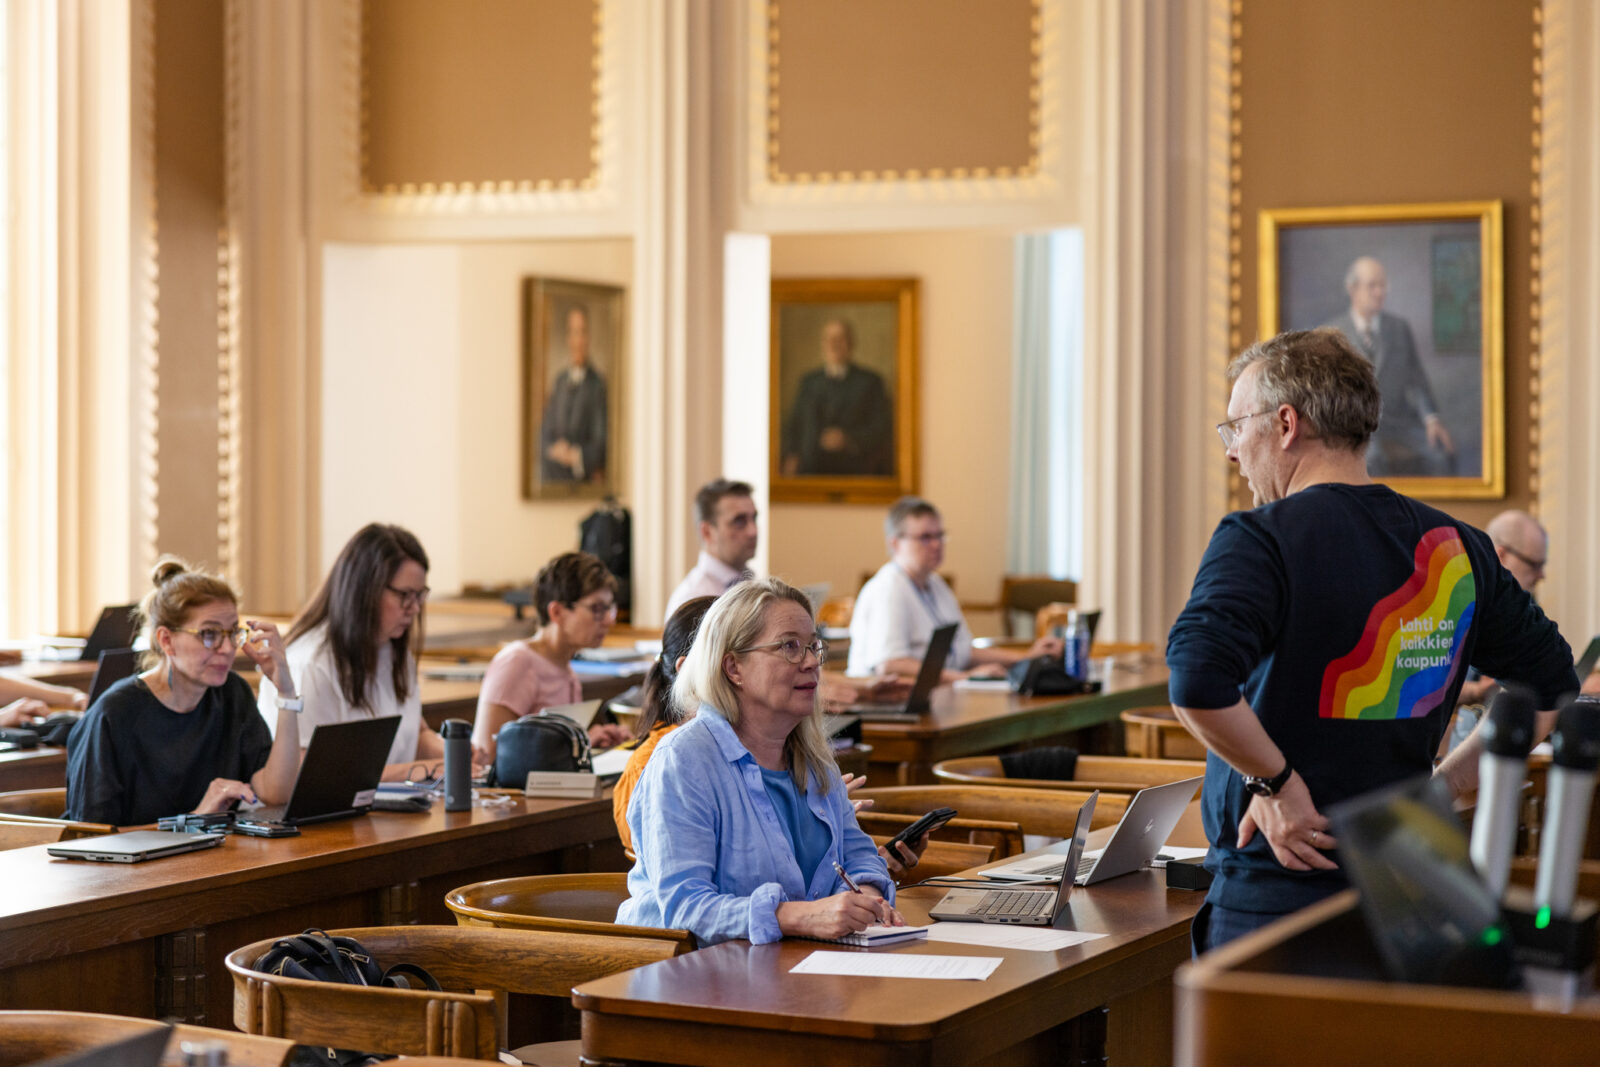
<point x="320" y="957"/>
<point x="542" y="742"/>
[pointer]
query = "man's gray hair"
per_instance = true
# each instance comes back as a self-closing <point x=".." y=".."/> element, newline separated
<point x="902" y="510"/>
<point x="1321" y="375"/>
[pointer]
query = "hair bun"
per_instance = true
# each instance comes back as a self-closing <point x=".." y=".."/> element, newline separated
<point x="167" y="568"/>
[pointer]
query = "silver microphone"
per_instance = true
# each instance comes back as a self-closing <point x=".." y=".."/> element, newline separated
<point x="1507" y="734"/>
<point x="1576" y="745"/>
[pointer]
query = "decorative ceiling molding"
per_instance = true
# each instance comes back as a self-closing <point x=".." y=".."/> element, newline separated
<point x="1043" y="177"/>
<point x="599" y="192"/>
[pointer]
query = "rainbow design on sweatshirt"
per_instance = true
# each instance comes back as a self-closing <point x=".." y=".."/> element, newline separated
<point x="1410" y="651"/>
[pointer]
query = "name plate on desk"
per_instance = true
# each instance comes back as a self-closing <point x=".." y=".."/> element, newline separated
<point x="566" y="785"/>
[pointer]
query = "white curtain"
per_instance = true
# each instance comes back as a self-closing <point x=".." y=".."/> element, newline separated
<point x="1046" y="498"/>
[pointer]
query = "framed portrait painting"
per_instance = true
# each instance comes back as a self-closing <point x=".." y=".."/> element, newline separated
<point x="843" y="389"/>
<point x="1418" y="289"/>
<point x="573" y="349"/>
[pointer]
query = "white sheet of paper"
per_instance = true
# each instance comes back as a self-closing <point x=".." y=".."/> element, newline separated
<point x="993" y="685"/>
<point x="897" y="965"/>
<point x="1179" y="852"/>
<point x="1030" y="938"/>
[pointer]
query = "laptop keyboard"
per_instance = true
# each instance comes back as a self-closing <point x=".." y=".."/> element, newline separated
<point x="999" y="904"/>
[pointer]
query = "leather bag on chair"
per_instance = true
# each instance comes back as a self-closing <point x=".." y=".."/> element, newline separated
<point x="541" y="742"/>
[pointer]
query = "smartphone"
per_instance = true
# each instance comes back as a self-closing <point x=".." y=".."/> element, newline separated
<point x="265" y="829"/>
<point x="927" y="824"/>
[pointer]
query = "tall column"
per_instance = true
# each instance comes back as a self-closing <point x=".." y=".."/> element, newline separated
<point x="1156" y="214"/>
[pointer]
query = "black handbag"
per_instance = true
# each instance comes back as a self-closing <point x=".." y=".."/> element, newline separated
<point x="317" y="956"/>
<point x="1043" y="676"/>
<point x="541" y="742"/>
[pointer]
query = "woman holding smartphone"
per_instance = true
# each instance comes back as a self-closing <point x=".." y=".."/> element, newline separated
<point x="354" y="648"/>
<point x="184" y="735"/>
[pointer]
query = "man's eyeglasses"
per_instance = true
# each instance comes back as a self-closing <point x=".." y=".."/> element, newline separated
<point x="212" y="636"/>
<point x="410" y="598"/>
<point x="792" y="650"/>
<point x="1536" y="564"/>
<point x="599" y="609"/>
<point x="927" y="538"/>
<point x="1229" y="431"/>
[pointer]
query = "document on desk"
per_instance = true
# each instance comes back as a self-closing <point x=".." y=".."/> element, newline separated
<point x="993" y="935"/>
<point x="897" y="965"/>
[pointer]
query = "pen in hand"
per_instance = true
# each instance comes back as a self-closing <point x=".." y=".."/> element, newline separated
<point x="847" y="879"/>
<point x="888" y="919"/>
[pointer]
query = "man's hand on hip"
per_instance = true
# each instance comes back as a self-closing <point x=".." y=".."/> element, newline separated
<point x="1297" y="832"/>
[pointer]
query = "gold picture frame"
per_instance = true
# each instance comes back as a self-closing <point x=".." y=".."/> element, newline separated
<point x="1440" y="269"/>
<point x="571" y="404"/>
<point x="870" y="457"/>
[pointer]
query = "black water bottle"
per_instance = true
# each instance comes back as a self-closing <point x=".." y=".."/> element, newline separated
<point x="457" y="735"/>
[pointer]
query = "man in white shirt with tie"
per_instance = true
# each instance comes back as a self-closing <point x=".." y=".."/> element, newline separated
<point x="1411" y="437"/>
<point x="728" y="537"/>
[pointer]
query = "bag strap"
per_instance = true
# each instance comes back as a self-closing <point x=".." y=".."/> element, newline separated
<point x="392" y="975"/>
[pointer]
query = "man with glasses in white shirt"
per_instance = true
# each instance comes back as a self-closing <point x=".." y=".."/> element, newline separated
<point x="898" y="609"/>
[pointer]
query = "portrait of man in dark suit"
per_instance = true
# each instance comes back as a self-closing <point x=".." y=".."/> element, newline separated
<point x="841" y="421"/>
<point x="1412" y="438"/>
<point x="572" y="435"/>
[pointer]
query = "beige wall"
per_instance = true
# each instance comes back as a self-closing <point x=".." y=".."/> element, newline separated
<point x="422" y="378"/>
<point x="964" y="430"/>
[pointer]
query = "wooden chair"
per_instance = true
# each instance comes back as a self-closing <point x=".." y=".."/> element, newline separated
<point x="1001" y="837"/>
<point x="836" y="611"/>
<point x="472" y="963"/>
<point x="1026" y="593"/>
<point x="944" y="857"/>
<point x="32" y="1036"/>
<point x="1047" y="812"/>
<point x="17" y="827"/>
<point x="1109" y="774"/>
<point x="1156" y="733"/>
<point x="46" y="803"/>
<point x="575" y="903"/>
<point x="24" y="834"/>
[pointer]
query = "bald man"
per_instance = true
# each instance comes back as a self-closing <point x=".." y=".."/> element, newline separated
<point x="1523" y="547"/>
<point x="1411" y="438"/>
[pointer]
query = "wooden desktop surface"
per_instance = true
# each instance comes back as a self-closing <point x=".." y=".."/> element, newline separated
<point x="736" y="1003"/>
<point x="972" y="722"/>
<point x="148" y="939"/>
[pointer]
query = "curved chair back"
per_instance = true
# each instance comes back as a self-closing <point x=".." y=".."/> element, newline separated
<point x="1109" y="774"/>
<point x="32" y="1036"/>
<point x="1002" y="837"/>
<point x="45" y="803"/>
<point x="944" y="858"/>
<point x="473" y="964"/>
<point x="577" y="903"/>
<point x="1048" y="812"/>
<point x="1156" y="733"/>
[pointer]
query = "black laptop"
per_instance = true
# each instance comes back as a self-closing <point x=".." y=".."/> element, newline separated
<point x="927" y="680"/>
<point x="115" y="665"/>
<point x="1586" y="662"/>
<point x="115" y="629"/>
<point x="339" y="773"/>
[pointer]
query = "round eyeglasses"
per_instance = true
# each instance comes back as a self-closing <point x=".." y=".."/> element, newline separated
<point x="792" y="649"/>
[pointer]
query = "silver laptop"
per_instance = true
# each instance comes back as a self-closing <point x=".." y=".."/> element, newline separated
<point x="1145" y="827"/>
<point x="135" y="847"/>
<point x="1019" y="907"/>
<point x="1586" y="662"/>
<point x="928" y="675"/>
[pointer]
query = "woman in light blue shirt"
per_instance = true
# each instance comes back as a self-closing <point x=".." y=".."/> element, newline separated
<point x="741" y="815"/>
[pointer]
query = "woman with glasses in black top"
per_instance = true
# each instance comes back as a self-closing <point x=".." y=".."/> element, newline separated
<point x="184" y="735"/>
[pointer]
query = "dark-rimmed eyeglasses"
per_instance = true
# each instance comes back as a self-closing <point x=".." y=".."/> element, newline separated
<point x="598" y="608"/>
<point x="212" y="636"/>
<point x="792" y="649"/>
<point x="1536" y="564"/>
<point x="1229" y="431"/>
<point x="410" y="598"/>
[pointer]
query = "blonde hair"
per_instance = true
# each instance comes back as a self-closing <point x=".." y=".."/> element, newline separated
<point x="178" y="591"/>
<point x="734" y="622"/>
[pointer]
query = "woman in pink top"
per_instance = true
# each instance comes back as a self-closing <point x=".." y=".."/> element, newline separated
<point x="576" y="598"/>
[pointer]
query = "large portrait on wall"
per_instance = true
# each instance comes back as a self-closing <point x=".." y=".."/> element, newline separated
<point x="1418" y="290"/>
<point x="843" y="389"/>
<point x="572" y="383"/>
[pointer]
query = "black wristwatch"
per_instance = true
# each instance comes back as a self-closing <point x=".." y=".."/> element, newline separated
<point x="1269" y="787"/>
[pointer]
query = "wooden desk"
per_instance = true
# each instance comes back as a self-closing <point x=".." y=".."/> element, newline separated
<point x="736" y="1003"/>
<point x="149" y="939"/>
<point x="44" y="767"/>
<point x="971" y="722"/>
